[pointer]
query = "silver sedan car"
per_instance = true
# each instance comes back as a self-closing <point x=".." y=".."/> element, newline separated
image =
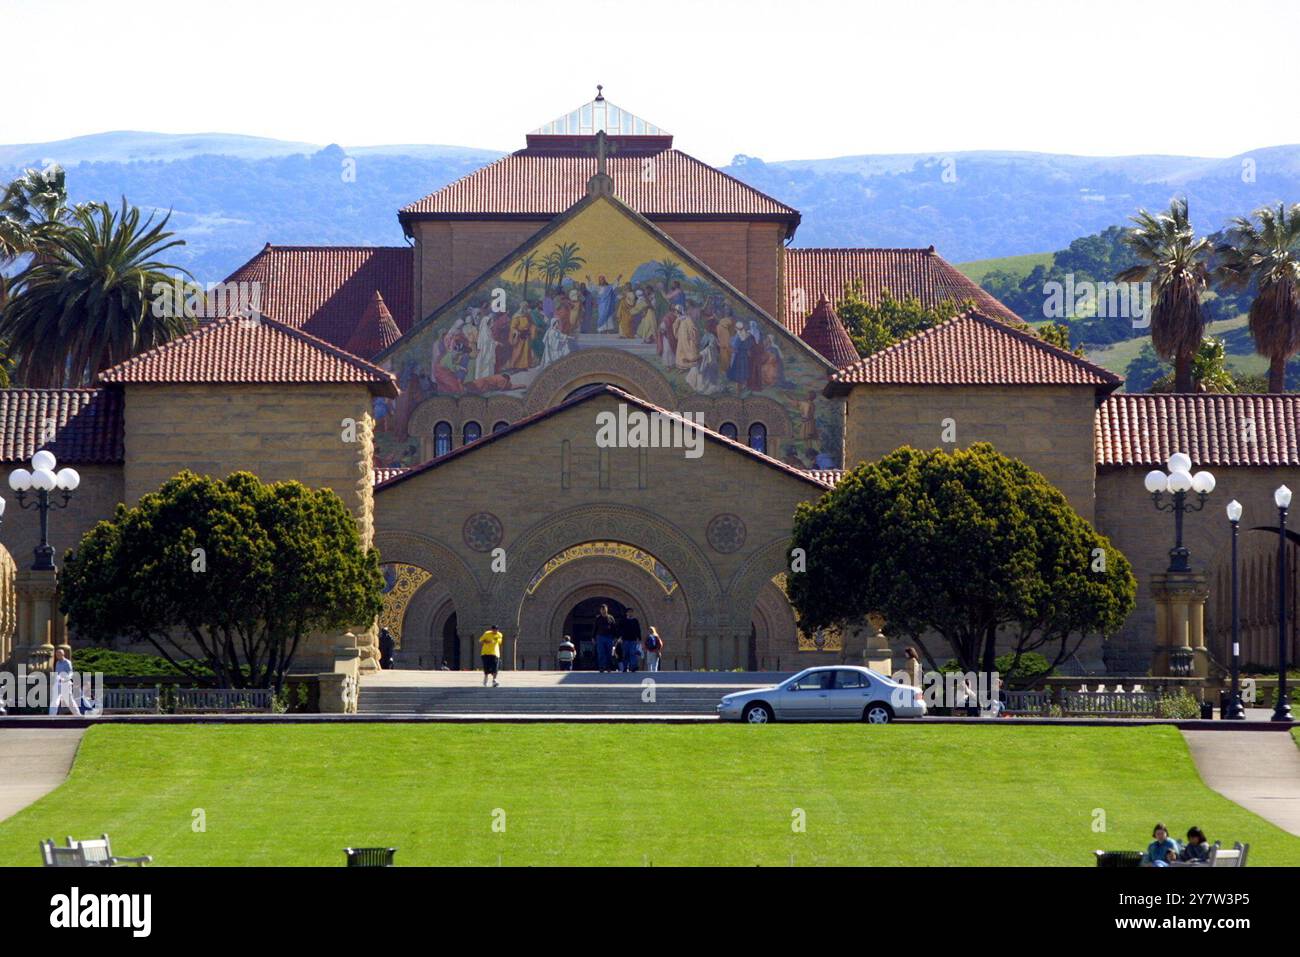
<point x="831" y="693"/>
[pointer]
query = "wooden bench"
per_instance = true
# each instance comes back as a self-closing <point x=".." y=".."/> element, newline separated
<point x="99" y="852"/>
<point x="54" y="856"/>
<point x="370" y="856"/>
<point x="130" y="701"/>
<point x="222" y="700"/>
<point x="1224" y="857"/>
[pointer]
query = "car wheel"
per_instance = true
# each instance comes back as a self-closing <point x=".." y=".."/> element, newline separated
<point x="758" y="713"/>
<point x="878" y="713"/>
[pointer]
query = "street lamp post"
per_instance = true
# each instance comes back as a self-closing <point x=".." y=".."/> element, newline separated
<point x="44" y="480"/>
<point x="1281" y="498"/>
<point x="1178" y="483"/>
<point x="1236" y="710"/>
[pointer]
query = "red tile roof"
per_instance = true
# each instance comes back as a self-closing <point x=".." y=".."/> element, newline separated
<point x="258" y="350"/>
<point x="80" y="426"/>
<point x="325" y="290"/>
<point x="972" y="349"/>
<point x="1222" y="430"/>
<point x="825" y="333"/>
<point x="586" y="395"/>
<point x="375" y="332"/>
<point x="923" y="273"/>
<point x="545" y="183"/>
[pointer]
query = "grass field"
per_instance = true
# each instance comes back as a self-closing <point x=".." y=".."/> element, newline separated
<point x="632" y="795"/>
<point x="1021" y="266"/>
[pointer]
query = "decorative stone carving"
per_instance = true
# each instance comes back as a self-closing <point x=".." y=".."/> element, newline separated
<point x="726" y="533"/>
<point x="482" y="531"/>
<point x="618" y="368"/>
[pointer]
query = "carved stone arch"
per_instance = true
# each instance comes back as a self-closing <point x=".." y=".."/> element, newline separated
<point x="622" y="369"/>
<point x="774" y="416"/>
<point x="748" y="581"/>
<point x="725" y="408"/>
<point x="427" y="612"/>
<point x="541" y="615"/>
<point x="776" y="633"/>
<point x="438" y="408"/>
<point x="441" y="562"/>
<point x="501" y="408"/>
<point x="471" y="408"/>
<point x="618" y="523"/>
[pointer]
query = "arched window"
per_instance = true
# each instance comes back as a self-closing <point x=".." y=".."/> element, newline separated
<point x="729" y="430"/>
<point x="442" y="438"/>
<point x="499" y="426"/>
<point x="471" y="433"/>
<point x="758" y="437"/>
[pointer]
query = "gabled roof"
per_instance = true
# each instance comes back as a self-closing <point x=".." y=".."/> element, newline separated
<point x="325" y="290"/>
<point x="375" y="332"/>
<point x="249" y="350"/>
<point x="923" y="273"/>
<point x="586" y="395"/>
<point x="972" y="349"/>
<point x="1215" y="430"/>
<point x="825" y="333"/>
<point x="80" y="426"/>
<point x="489" y="274"/>
<point x="537" y="183"/>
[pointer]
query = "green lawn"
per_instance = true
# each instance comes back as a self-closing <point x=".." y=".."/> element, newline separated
<point x="633" y="794"/>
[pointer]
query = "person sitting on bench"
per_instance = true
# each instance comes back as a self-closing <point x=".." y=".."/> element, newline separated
<point x="1197" y="848"/>
<point x="1158" y="851"/>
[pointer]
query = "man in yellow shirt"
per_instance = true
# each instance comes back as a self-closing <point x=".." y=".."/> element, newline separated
<point x="489" y="644"/>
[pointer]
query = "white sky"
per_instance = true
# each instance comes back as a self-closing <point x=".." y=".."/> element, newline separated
<point x="778" y="80"/>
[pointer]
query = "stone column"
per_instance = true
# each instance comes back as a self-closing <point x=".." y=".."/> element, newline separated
<point x="33" y="640"/>
<point x="877" y="654"/>
<point x="1180" y="620"/>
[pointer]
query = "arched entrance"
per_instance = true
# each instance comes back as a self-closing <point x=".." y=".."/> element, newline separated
<point x="580" y="625"/>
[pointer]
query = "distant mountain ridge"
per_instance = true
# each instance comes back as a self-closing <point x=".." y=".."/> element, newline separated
<point x="232" y="194"/>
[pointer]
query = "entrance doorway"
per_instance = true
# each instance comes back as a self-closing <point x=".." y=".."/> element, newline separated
<point x="450" y="645"/>
<point x="580" y="625"/>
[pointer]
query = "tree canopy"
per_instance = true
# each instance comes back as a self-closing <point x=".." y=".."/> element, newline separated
<point x="234" y="573"/>
<point x="965" y="545"/>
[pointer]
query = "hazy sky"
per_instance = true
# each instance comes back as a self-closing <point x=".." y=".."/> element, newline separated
<point x="803" y="78"/>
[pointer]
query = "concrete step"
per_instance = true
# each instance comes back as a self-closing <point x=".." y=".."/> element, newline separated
<point x="505" y="700"/>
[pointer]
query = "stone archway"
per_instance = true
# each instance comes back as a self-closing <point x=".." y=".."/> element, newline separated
<point x="541" y="614"/>
<point x="590" y="366"/>
<point x="423" y="626"/>
<point x="638" y="527"/>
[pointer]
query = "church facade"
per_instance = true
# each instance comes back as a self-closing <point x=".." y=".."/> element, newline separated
<point x="600" y="276"/>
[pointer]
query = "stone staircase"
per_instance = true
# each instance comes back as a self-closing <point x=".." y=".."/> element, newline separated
<point x="605" y="699"/>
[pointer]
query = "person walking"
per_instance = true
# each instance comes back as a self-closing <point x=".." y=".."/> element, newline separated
<point x="568" y="651"/>
<point x="605" y="629"/>
<point x="490" y="648"/>
<point x="61" y="693"/>
<point x="386" y="648"/>
<point x="654" y="649"/>
<point x="631" y="632"/>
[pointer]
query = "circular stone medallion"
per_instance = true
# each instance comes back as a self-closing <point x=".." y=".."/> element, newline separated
<point x="726" y="532"/>
<point x="482" y="531"/>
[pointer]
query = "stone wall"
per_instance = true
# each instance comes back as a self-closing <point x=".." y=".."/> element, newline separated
<point x="1049" y="428"/>
<point x="95" y="498"/>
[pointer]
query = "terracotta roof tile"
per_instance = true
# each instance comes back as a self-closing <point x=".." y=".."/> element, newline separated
<point x="545" y="183"/>
<point x="1222" y="430"/>
<point x="78" y="425"/>
<point x="238" y="350"/>
<point x="375" y="332"/>
<point x="825" y="333"/>
<point x="972" y="349"/>
<point x="325" y="290"/>
<point x="923" y="273"/>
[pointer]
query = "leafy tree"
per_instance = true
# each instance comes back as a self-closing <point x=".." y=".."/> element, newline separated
<point x="234" y="573"/>
<point x="1210" y="371"/>
<point x="1265" y="252"/>
<point x="968" y="545"/>
<point x="1174" y="261"/>
<point x="86" y="302"/>
<point x="874" y="326"/>
<point x="522" y="268"/>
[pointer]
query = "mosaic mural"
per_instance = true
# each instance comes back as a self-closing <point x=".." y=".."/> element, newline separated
<point x="627" y="553"/>
<point x="401" y="582"/>
<point x="823" y="639"/>
<point x="601" y="280"/>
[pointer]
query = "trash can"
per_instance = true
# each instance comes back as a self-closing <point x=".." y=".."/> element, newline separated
<point x="1225" y="696"/>
<point x="1207" y="710"/>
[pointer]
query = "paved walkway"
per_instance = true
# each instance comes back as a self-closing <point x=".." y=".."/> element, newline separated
<point x="33" y="762"/>
<point x="1258" y="770"/>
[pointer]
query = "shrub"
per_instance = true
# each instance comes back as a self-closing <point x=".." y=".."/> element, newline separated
<point x="1179" y="705"/>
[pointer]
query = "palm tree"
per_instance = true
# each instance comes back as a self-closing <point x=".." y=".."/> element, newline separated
<point x="564" y="260"/>
<point x="1173" y="261"/>
<point x="1265" y="252"/>
<point x="668" y="271"/>
<point x="33" y="208"/>
<point x="87" y="302"/>
<point x="522" y="268"/>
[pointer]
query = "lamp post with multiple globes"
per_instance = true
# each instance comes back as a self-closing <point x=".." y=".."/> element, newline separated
<point x="44" y="479"/>
<point x="1235" y="710"/>
<point x="1178" y="483"/>
<point x="1282" y="710"/>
